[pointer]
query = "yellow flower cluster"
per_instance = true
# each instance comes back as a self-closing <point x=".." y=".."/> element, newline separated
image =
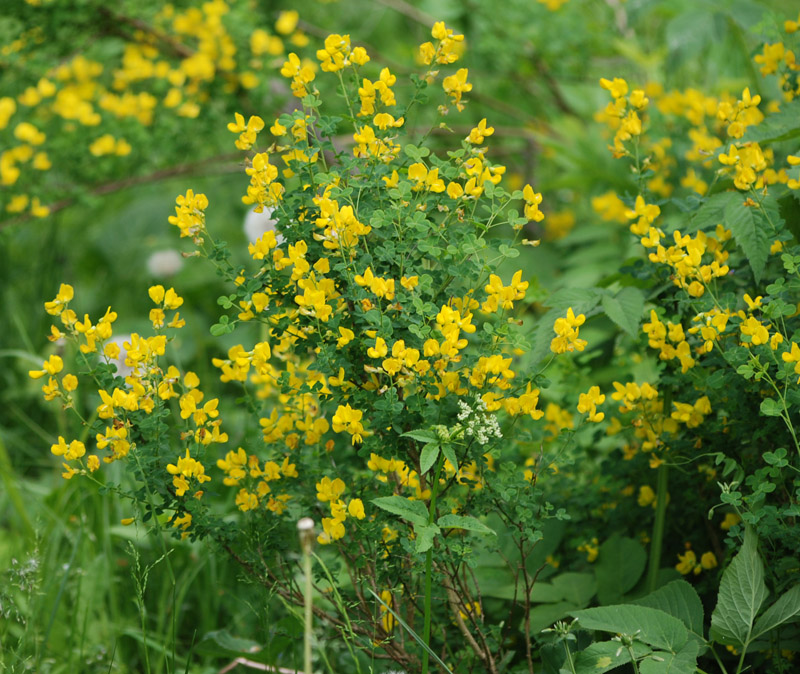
<point x="622" y="115"/>
<point x="503" y="297"/>
<point x="677" y="347"/>
<point x="688" y="562"/>
<point x="692" y="414"/>
<point x="397" y="471"/>
<point x="588" y="402"/>
<point x="253" y="480"/>
<point x="447" y="48"/>
<point x="330" y="491"/>
<point x="190" y="215"/>
<point x="650" y="425"/>
<point x="685" y="257"/>
<point x="567" y="330"/>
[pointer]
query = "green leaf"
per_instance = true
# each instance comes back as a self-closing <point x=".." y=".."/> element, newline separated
<point x="619" y="566"/>
<point x="577" y="588"/>
<point x="741" y="593"/>
<point x="750" y="233"/>
<point x="680" y="600"/>
<point x="625" y="309"/>
<point x="783" y="610"/>
<point x="682" y="662"/>
<point x="425" y="534"/>
<point x="413" y="511"/>
<point x="421" y="436"/>
<point x="427" y="458"/>
<point x="464" y="522"/>
<point x="544" y="615"/>
<point x="746" y="223"/>
<point x="784" y="125"/>
<point x="603" y="656"/>
<point x="770" y="407"/>
<point x="650" y="625"/>
<point x="450" y="454"/>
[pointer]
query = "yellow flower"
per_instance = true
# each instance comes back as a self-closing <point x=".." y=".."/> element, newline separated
<point x="356" y="509"/>
<point x="330" y="490"/>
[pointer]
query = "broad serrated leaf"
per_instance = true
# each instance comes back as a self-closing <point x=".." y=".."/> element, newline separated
<point x="783" y="610"/>
<point x="428" y="456"/>
<point x="619" y="566"/>
<point x="750" y="232"/>
<point x="413" y="511"/>
<point x="680" y="600"/>
<point x="625" y="309"/>
<point x="464" y="522"/>
<point x="712" y="212"/>
<point x="425" y="533"/>
<point x="741" y="593"/>
<point x="682" y="662"/>
<point x="783" y="125"/>
<point x="650" y="625"/>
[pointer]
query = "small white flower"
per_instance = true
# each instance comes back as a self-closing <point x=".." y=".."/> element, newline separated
<point x="164" y="263"/>
<point x="122" y="369"/>
<point x="258" y="224"/>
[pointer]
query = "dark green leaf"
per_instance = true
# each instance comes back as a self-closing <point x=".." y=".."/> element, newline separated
<point x="650" y="625"/>
<point x="619" y="566"/>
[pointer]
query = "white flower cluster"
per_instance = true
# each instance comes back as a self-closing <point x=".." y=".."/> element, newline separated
<point x="477" y="421"/>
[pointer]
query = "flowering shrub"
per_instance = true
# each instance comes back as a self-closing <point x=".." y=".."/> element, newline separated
<point x="380" y="376"/>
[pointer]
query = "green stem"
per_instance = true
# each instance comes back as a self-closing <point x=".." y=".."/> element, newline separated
<point x="569" y="657"/>
<point x="658" y="529"/>
<point x="308" y="613"/>
<point x="306" y="530"/>
<point x="633" y="660"/>
<point x="426" y="632"/>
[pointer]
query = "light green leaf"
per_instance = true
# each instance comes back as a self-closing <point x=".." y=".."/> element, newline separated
<point x="430" y="453"/>
<point x="425" y="534"/>
<point x="680" y="600"/>
<point x="413" y="511"/>
<point x="421" y="436"/>
<point x="650" y="625"/>
<point x="783" y="610"/>
<point x="741" y="593"/>
<point x="770" y="407"/>
<point x="464" y="522"/>
<point x="450" y="454"/>
<point x="619" y="566"/>
<point x="625" y="309"/>
<point x="662" y="662"/>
